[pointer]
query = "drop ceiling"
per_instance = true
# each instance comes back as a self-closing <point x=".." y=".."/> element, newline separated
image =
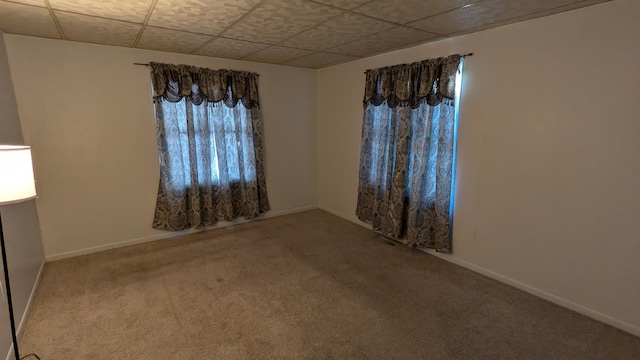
<point x="304" y="33"/>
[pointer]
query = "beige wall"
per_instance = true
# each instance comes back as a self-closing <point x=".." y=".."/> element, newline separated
<point x="19" y="221"/>
<point x="547" y="177"/>
<point x="87" y="112"/>
<point x="549" y="131"/>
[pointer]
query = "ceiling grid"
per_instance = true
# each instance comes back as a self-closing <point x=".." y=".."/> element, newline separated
<point x="304" y="33"/>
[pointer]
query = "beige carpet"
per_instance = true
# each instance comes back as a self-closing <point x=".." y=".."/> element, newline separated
<point x="302" y="286"/>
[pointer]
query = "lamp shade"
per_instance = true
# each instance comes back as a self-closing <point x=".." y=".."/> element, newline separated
<point x="16" y="174"/>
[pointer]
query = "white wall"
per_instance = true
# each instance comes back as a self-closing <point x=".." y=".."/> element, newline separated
<point x="87" y="112"/>
<point x="547" y="177"/>
<point x="549" y="131"/>
<point x="19" y="221"/>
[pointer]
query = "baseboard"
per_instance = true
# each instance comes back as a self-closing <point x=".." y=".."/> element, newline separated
<point x="594" y="314"/>
<point x="32" y="296"/>
<point x="272" y="214"/>
<point x="617" y="323"/>
<point x="604" y="318"/>
<point x="168" y="235"/>
<point x="352" y="219"/>
<point x="116" y="245"/>
<point x="27" y="309"/>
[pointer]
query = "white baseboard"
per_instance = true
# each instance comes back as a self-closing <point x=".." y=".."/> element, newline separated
<point x="172" y="234"/>
<point x="32" y="296"/>
<point x="617" y="323"/>
<point x="272" y="214"/>
<point x="27" y="309"/>
<point x="353" y="219"/>
<point x="115" y="245"/>
<point x="594" y="314"/>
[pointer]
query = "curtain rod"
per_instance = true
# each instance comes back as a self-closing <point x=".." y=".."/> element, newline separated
<point x="461" y="55"/>
<point x="147" y="64"/>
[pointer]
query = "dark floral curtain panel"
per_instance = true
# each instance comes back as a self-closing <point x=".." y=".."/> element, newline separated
<point x="407" y="152"/>
<point x="209" y="132"/>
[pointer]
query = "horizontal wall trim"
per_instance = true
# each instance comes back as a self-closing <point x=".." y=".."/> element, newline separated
<point x="27" y="309"/>
<point x="594" y="314"/>
<point x="170" y="234"/>
<point x="604" y="318"/>
<point x="352" y="219"/>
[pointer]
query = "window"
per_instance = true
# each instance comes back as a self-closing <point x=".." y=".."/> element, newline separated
<point x="407" y="153"/>
<point x="235" y="143"/>
<point x="209" y="131"/>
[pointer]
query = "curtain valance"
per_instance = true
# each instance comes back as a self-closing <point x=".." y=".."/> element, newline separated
<point x="174" y="82"/>
<point x="430" y="80"/>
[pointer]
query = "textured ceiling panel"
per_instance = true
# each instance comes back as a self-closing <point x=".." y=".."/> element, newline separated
<point x="483" y="13"/>
<point x="276" y="20"/>
<point x="130" y="10"/>
<point x="552" y="11"/>
<point x="30" y="2"/>
<point x="97" y="30"/>
<point x="27" y="20"/>
<point x="343" y="4"/>
<point x="306" y="33"/>
<point x="319" y="59"/>
<point x="155" y="38"/>
<point x="336" y="31"/>
<point x="277" y="54"/>
<point x="199" y="16"/>
<point x="399" y="36"/>
<point x="228" y="48"/>
<point x="404" y="11"/>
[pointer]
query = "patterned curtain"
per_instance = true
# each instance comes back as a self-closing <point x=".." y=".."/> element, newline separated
<point x="407" y="151"/>
<point x="209" y="131"/>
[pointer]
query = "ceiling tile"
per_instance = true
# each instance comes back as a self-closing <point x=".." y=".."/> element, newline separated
<point x="306" y="33"/>
<point x="31" y="2"/>
<point x="277" y="54"/>
<point x="199" y="16"/>
<point x="319" y="59"/>
<point x="394" y="38"/>
<point x="343" y="4"/>
<point x="97" y="30"/>
<point x="155" y="38"/>
<point x="552" y="11"/>
<point x="404" y="11"/>
<point x="130" y="10"/>
<point x="275" y="20"/>
<point x="27" y="20"/>
<point x="483" y="13"/>
<point x="336" y="31"/>
<point x="229" y="48"/>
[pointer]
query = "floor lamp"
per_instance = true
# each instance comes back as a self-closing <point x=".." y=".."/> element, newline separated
<point x="16" y="185"/>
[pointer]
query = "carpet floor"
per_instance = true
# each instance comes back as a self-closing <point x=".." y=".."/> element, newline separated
<point x="303" y="286"/>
